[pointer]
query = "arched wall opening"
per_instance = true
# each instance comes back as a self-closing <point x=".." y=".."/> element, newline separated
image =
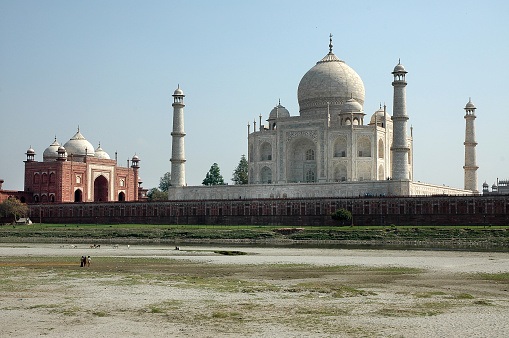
<point x="301" y="161"/>
<point x="78" y="196"/>
<point x="101" y="189"/>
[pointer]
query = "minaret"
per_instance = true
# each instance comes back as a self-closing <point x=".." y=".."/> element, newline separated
<point x="178" y="171"/>
<point x="470" y="166"/>
<point x="400" y="148"/>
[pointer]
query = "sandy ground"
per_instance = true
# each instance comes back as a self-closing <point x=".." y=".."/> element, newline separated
<point x="272" y="292"/>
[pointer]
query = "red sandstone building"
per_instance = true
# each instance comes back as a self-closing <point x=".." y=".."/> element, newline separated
<point x="75" y="172"/>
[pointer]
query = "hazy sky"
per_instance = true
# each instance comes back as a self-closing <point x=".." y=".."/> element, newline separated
<point x="111" y="67"/>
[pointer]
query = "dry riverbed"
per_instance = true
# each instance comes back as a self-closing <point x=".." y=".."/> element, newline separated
<point x="271" y="292"/>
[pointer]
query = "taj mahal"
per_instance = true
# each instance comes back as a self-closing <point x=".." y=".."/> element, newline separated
<point x="331" y="149"/>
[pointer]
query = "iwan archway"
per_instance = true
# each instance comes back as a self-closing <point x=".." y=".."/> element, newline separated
<point x="101" y="189"/>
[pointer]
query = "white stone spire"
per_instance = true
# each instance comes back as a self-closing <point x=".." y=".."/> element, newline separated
<point x="400" y="148"/>
<point x="178" y="159"/>
<point x="470" y="166"/>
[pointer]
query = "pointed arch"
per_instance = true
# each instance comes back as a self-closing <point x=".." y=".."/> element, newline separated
<point x="78" y="195"/>
<point x="301" y="158"/>
<point x="101" y="189"/>
<point x="381" y="150"/>
<point x="266" y="175"/>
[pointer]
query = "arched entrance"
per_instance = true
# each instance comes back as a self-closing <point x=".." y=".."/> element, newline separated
<point x="78" y="196"/>
<point x="101" y="189"/>
<point x="301" y="161"/>
<point x="121" y="196"/>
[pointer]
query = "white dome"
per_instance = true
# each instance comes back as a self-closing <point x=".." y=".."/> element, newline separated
<point x="470" y="105"/>
<point x="351" y="105"/>
<point x="51" y="153"/>
<point x="399" y="69"/>
<point x="100" y="153"/>
<point x="278" y="111"/>
<point x="330" y="82"/>
<point x="379" y="116"/>
<point x="79" y="146"/>
<point x="178" y="92"/>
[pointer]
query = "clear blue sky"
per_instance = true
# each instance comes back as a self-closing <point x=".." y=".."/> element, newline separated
<point x="111" y="67"/>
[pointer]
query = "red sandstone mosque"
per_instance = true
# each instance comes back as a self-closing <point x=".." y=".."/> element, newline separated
<point x="76" y="172"/>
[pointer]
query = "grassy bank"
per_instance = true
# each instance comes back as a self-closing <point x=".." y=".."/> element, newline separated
<point x="494" y="237"/>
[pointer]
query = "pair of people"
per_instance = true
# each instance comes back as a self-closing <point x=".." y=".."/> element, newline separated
<point x="85" y="261"/>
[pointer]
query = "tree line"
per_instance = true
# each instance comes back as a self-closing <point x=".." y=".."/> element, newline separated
<point x="212" y="177"/>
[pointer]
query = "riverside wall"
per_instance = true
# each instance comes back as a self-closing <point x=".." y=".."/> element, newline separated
<point x="370" y="211"/>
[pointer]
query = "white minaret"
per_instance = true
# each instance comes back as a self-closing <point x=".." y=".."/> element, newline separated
<point x="470" y="166"/>
<point x="400" y="148"/>
<point x="178" y="159"/>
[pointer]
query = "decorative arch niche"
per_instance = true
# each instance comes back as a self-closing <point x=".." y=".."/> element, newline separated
<point x="301" y="161"/>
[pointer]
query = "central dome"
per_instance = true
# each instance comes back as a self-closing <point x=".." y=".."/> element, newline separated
<point x="79" y="146"/>
<point x="329" y="83"/>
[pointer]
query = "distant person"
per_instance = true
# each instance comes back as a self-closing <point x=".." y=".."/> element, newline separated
<point x="82" y="261"/>
<point x="88" y="261"/>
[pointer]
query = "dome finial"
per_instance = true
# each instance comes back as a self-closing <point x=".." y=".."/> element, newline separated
<point x="279" y="103"/>
<point x="330" y="43"/>
<point x="399" y="61"/>
<point x="78" y="128"/>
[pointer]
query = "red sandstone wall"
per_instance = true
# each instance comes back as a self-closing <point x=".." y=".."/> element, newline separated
<point x="439" y="210"/>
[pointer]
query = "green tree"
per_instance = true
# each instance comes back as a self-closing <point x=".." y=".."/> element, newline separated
<point x="13" y="207"/>
<point x="341" y="215"/>
<point x="155" y="194"/>
<point x="213" y="177"/>
<point x="240" y="174"/>
<point x="165" y="182"/>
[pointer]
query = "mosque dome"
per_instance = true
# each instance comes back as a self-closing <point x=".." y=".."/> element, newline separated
<point x="79" y="146"/>
<point x="470" y="105"/>
<point x="51" y="153"/>
<point x="30" y="151"/>
<point x="351" y="106"/>
<point x="399" y="69"/>
<point x="378" y="116"/>
<point x="278" y="111"/>
<point x="178" y="91"/>
<point x="330" y="82"/>
<point x="100" y="153"/>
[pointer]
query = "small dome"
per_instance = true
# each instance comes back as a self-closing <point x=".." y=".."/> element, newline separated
<point x="485" y="184"/>
<point x="379" y="116"/>
<point x="51" y="153"/>
<point x="30" y="151"/>
<point x="136" y="158"/>
<point x="278" y="111"/>
<point x="178" y="92"/>
<point x="494" y="186"/>
<point x="100" y="153"/>
<point x="470" y="105"/>
<point x="351" y="105"/>
<point x="79" y="146"/>
<point x="399" y="69"/>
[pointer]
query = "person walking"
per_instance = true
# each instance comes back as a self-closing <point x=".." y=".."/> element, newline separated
<point x="88" y="261"/>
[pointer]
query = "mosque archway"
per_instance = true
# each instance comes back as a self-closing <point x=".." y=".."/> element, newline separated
<point x="340" y="147"/>
<point x="266" y="175"/>
<point x="121" y="197"/>
<point x="101" y="189"/>
<point x="78" y="196"/>
<point x="301" y="161"/>
<point x="340" y="173"/>
<point x="266" y="152"/>
<point x="364" y="147"/>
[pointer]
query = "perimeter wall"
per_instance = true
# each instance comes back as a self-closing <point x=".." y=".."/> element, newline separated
<point x="429" y="210"/>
